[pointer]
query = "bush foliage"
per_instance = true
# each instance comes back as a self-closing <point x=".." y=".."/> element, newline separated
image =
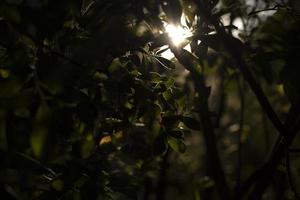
<point x="91" y="109"/>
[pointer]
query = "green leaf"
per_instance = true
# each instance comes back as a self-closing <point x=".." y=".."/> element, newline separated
<point x="117" y="69"/>
<point x="58" y="185"/>
<point x="38" y="140"/>
<point x="176" y="133"/>
<point x="39" y="136"/>
<point x="9" y="87"/>
<point x="87" y="146"/>
<point x="156" y="77"/>
<point x="177" y="144"/>
<point x="206" y="182"/>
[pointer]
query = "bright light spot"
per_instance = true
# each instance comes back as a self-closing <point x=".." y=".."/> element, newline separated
<point x="239" y="24"/>
<point x="178" y="34"/>
<point x="169" y="55"/>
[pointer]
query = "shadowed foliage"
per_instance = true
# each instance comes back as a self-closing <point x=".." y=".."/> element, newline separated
<point x="92" y="108"/>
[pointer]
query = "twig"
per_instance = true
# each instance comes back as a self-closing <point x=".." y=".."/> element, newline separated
<point x="37" y="163"/>
<point x="263" y="174"/>
<point x="291" y="150"/>
<point x="289" y="174"/>
<point x="263" y="10"/>
<point x="56" y="53"/>
<point x="241" y="124"/>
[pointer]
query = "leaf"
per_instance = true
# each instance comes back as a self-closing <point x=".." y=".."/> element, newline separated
<point x="58" y="185"/>
<point x="4" y="73"/>
<point x="290" y="78"/>
<point x="156" y="77"/>
<point x="39" y="136"/>
<point x="171" y="121"/>
<point x="165" y="62"/>
<point x="87" y="146"/>
<point x="188" y="60"/>
<point x="189" y="8"/>
<point x="38" y="141"/>
<point x="105" y="140"/>
<point x="191" y="123"/>
<point x="206" y="182"/>
<point x="117" y="70"/>
<point x="201" y="50"/>
<point x="9" y="87"/>
<point x="177" y="144"/>
<point x="169" y="83"/>
<point x="214" y="41"/>
<point x="176" y="133"/>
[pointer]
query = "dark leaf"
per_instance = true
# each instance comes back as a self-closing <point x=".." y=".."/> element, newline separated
<point x="191" y="123"/>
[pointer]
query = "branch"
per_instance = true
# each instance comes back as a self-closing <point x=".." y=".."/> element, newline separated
<point x="241" y="89"/>
<point x="266" y="9"/>
<point x="56" y="53"/>
<point x="262" y="176"/>
<point x="289" y="175"/>
<point x="214" y="161"/>
<point x="294" y="150"/>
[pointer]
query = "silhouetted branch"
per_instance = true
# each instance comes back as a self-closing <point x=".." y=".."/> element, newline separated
<point x="214" y="162"/>
<point x="241" y="89"/>
<point x="289" y="175"/>
<point x="294" y="150"/>
<point x="266" y="9"/>
<point x="54" y="52"/>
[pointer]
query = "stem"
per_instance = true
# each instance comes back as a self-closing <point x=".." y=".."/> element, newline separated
<point x="289" y="174"/>
<point x="241" y="89"/>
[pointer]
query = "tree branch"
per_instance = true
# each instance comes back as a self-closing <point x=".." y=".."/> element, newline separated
<point x="214" y="161"/>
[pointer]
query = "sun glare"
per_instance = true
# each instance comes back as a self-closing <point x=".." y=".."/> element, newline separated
<point x="178" y="34"/>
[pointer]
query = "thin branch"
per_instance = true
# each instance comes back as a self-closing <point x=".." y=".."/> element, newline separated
<point x="37" y="163"/>
<point x="214" y="161"/>
<point x="54" y="52"/>
<point x="291" y="150"/>
<point x="241" y="89"/>
<point x="263" y="10"/>
<point x="263" y="174"/>
<point x="266" y="131"/>
<point x="289" y="174"/>
<point x="232" y="45"/>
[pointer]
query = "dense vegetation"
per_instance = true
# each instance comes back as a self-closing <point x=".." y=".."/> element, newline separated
<point x="90" y="108"/>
